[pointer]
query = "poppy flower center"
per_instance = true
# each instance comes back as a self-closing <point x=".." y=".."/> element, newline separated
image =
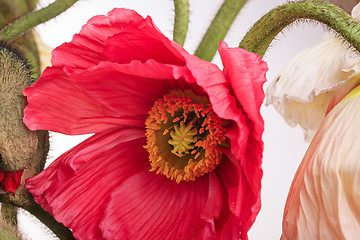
<point x="183" y="136"/>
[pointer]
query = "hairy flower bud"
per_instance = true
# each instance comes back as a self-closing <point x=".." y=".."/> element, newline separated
<point x="19" y="147"/>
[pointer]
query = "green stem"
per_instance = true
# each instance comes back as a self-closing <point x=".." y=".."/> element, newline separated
<point x="31" y="20"/>
<point x="260" y="36"/>
<point x="181" y="20"/>
<point x="63" y="233"/>
<point x="218" y="28"/>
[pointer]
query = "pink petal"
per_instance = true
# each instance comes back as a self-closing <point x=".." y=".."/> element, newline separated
<point x="128" y="89"/>
<point x="247" y="127"/>
<point x="212" y="208"/>
<point x="229" y="225"/>
<point x="86" y="48"/>
<point x="149" y="206"/>
<point x="224" y="104"/>
<point x="246" y="73"/>
<point x="59" y="104"/>
<point x="11" y="180"/>
<point x="141" y="43"/>
<point x="77" y="186"/>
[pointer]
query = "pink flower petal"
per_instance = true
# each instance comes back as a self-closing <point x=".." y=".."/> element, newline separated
<point x="129" y="89"/>
<point x="229" y="226"/>
<point x="86" y="48"/>
<point x="218" y="88"/>
<point x="10" y="180"/>
<point x="76" y="186"/>
<point x="246" y="73"/>
<point x="246" y="130"/>
<point x="57" y="103"/>
<point x="140" y="43"/>
<point x="149" y="206"/>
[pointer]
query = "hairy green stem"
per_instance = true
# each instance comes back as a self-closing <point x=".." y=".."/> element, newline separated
<point x="181" y="21"/>
<point x="31" y="20"/>
<point x="260" y="36"/>
<point x="218" y="28"/>
<point x="63" y="233"/>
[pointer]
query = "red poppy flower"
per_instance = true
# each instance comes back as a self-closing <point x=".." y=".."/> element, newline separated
<point x="177" y="147"/>
<point x="10" y="181"/>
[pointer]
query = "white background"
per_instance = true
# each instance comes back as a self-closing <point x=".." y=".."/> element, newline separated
<point x="284" y="146"/>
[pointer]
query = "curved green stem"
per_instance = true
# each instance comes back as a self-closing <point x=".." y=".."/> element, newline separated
<point x="181" y="20"/>
<point x="218" y="28"/>
<point x="31" y="20"/>
<point x="260" y="36"/>
<point x="63" y="233"/>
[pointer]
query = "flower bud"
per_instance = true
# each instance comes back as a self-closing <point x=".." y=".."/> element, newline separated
<point x="19" y="147"/>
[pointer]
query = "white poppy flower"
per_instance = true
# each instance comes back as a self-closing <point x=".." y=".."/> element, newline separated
<point x="302" y="91"/>
<point x="323" y="201"/>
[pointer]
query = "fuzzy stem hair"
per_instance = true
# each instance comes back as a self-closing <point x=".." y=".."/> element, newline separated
<point x="260" y="36"/>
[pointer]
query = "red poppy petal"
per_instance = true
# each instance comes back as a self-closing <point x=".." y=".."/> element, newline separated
<point x="216" y="85"/>
<point x="142" y="43"/>
<point x="228" y="173"/>
<point x="76" y="187"/>
<point x="86" y="48"/>
<point x="246" y="73"/>
<point x="150" y="206"/>
<point x="212" y="208"/>
<point x="10" y="185"/>
<point x="128" y="89"/>
<point x="244" y="152"/>
<point x="58" y="104"/>
<point x="12" y="181"/>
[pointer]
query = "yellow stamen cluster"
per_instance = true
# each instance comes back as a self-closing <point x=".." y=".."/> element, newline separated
<point x="183" y="136"/>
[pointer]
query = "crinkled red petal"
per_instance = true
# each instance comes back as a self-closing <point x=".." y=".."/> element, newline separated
<point x="246" y="73"/>
<point x="86" y="48"/>
<point x="245" y="132"/>
<point x="149" y="206"/>
<point x="106" y="96"/>
<point x="57" y="103"/>
<point x="10" y="180"/>
<point x="77" y="186"/>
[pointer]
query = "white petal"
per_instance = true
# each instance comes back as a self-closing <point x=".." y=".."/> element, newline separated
<point x="302" y="91"/>
<point x="355" y="13"/>
<point x="323" y="201"/>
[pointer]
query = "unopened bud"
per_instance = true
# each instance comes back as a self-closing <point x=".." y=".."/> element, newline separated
<point x="20" y="148"/>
